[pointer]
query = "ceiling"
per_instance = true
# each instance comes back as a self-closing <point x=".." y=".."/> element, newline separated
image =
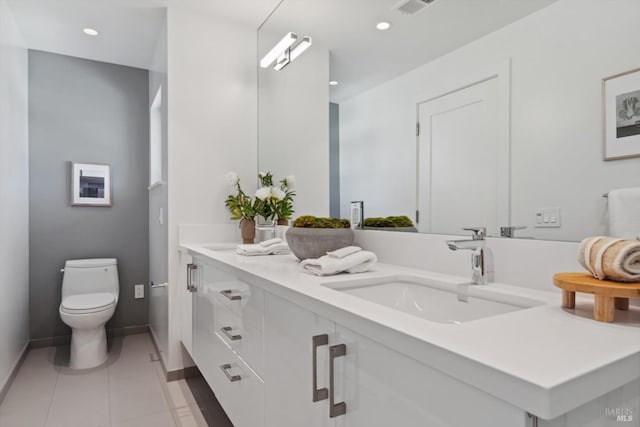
<point x="363" y="57"/>
<point x="128" y="28"/>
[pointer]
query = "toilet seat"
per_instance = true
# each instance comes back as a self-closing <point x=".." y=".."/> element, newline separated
<point x="87" y="303"/>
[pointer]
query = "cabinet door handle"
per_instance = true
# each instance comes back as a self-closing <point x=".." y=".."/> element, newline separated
<point x="190" y="268"/>
<point x="339" y="408"/>
<point x="227" y="331"/>
<point x="225" y="368"/>
<point x="229" y="294"/>
<point x="317" y="341"/>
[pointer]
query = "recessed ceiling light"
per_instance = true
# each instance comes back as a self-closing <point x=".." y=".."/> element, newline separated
<point x="90" y="32"/>
<point x="384" y="25"/>
<point x="333" y="83"/>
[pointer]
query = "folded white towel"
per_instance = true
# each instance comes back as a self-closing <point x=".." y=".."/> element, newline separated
<point x="253" y="250"/>
<point x="341" y="253"/>
<point x="358" y="262"/>
<point x="624" y="213"/>
<point x="270" y="242"/>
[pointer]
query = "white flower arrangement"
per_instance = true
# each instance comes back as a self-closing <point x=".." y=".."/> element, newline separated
<point x="270" y="201"/>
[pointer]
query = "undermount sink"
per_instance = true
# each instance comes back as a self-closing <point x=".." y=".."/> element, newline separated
<point x="434" y="300"/>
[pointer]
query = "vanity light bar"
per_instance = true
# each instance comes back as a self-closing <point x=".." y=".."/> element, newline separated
<point x="278" y="49"/>
<point x="304" y="44"/>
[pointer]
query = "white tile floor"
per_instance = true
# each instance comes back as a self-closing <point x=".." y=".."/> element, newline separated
<point x="129" y="390"/>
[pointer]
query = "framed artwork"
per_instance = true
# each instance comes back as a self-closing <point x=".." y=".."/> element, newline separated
<point x="90" y="184"/>
<point x="621" y="115"/>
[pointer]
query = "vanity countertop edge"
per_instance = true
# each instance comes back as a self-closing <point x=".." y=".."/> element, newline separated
<point x="544" y="360"/>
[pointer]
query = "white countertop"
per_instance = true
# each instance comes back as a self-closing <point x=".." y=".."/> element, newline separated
<point x="544" y="359"/>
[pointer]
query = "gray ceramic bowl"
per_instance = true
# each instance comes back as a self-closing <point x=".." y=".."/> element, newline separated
<point x="316" y="242"/>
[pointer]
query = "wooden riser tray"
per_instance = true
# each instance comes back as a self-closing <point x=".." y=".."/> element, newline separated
<point x="609" y="296"/>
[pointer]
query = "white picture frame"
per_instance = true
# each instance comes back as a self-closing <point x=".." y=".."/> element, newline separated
<point x="621" y="115"/>
<point x="90" y="184"/>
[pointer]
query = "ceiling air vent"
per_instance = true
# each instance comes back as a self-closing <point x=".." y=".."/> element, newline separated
<point x="411" y="7"/>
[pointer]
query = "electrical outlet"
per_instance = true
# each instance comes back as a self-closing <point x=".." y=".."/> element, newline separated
<point x="139" y="291"/>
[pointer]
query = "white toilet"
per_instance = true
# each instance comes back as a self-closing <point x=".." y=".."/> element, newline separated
<point x="90" y="291"/>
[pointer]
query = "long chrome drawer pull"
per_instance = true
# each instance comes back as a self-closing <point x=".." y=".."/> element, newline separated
<point x="339" y="408"/>
<point x="229" y="294"/>
<point x="317" y="341"/>
<point x="227" y="331"/>
<point x="190" y="286"/>
<point x="225" y="368"/>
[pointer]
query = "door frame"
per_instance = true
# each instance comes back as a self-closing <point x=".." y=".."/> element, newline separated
<point x="501" y="71"/>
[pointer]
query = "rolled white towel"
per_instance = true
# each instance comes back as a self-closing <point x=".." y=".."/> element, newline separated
<point x="270" y="242"/>
<point x="343" y="252"/>
<point x="257" y="249"/>
<point x="357" y="262"/>
<point x="610" y="258"/>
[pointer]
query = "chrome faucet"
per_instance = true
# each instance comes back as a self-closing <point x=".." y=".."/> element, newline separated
<point x="481" y="258"/>
<point x="510" y="231"/>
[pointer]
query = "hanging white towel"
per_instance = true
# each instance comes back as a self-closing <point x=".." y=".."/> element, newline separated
<point x="257" y="249"/>
<point x="358" y="262"/>
<point x="624" y="213"/>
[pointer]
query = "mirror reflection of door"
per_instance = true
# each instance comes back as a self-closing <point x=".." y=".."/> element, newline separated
<point x="458" y="170"/>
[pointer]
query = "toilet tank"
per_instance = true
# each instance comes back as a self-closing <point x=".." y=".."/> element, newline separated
<point x="82" y="276"/>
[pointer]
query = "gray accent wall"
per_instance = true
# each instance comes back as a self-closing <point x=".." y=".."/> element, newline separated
<point x="89" y="112"/>
<point x="334" y="160"/>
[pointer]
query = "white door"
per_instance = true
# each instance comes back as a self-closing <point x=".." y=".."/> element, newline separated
<point x="460" y="165"/>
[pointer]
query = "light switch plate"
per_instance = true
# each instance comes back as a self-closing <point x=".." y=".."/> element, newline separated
<point x="547" y="218"/>
<point x="139" y="291"/>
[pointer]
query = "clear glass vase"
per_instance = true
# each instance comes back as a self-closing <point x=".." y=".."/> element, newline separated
<point x="265" y="229"/>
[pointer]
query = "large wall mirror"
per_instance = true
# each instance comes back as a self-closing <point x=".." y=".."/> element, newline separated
<point x="460" y="113"/>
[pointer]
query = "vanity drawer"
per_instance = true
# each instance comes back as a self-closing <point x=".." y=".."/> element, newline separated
<point x="243" y="331"/>
<point x="239" y="390"/>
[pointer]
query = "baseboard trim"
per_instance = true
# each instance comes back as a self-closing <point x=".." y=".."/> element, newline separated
<point x="177" y="374"/>
<point x="154" y="340"/>
<point x="127" y="330"/>
<point x="51" y="341"/>
<point x="14" y="371"/>
<point x="66" y="339"/>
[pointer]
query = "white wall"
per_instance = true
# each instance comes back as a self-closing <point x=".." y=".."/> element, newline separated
<point x="14" y="194"/>
<point x="293" y="124"/>
<point x="158" y="230"/>
<point x="559" y="56"/>
<point x="212" y="129"/>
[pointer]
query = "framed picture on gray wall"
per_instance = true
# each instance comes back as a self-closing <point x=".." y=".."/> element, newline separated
<point x="621" y="115"/>
<point x="90" y="184"/>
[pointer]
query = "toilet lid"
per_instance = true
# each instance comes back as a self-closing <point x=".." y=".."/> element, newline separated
<point x="84" y="302"/>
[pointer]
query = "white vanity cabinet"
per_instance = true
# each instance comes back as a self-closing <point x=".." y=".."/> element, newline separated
<point x="227" y="342"/>
<point x="192" y="268"/>
<point x="266" y="341"/>
<point x="379" y="386"/>
<point x="289" y="368"/>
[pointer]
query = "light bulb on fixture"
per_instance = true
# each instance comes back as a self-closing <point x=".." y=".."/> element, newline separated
<point x="90" y="31"/>
<point x="278" y="49"/>
<point x="383" y="25"/>
<point x="333" y="83"/>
